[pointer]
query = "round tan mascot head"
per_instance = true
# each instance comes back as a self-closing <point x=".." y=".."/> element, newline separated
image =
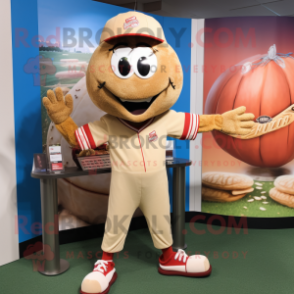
<point x="134" y="74"/>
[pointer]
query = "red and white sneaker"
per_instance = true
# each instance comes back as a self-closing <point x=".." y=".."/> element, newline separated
<point x="180" y="264"/>
<point x="100" y="279"/>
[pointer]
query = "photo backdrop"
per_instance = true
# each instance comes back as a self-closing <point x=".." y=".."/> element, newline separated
<point x="234" y="75"/>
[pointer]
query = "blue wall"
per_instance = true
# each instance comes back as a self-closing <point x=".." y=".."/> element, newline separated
<point x="27" y="100"/>
<point x="27" y="111"/>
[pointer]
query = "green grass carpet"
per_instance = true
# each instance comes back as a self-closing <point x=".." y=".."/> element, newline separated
<point x="251" y="209"/>
<point x="261" y="261"/>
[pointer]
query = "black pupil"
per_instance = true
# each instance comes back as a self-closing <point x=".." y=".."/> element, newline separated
<point x="124" y="66"/>
<point x="143" y="66"/>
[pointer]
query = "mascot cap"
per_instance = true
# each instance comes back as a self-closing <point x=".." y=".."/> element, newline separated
<point x="132" y="23"/>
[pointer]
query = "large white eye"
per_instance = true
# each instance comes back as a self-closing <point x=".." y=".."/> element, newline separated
<point x="121" y="62"/>
<point x="144" y="62"/>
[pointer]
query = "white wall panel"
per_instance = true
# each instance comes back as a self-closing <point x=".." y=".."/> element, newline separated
<point x="8" y="208"/>
<point x="196" y="106"/>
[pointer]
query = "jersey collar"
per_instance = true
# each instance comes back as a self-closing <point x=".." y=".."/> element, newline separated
<point x="144" y="126"/>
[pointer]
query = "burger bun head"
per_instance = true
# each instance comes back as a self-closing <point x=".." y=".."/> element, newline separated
<point x="134" y="77"/>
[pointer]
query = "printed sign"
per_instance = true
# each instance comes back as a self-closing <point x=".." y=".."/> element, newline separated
<point x="55" y="157"/>
<point x="131" y="22"/>
<point x="54" y="149"/>
<point x="40" y="162"/>
<point x="152" y="136"/>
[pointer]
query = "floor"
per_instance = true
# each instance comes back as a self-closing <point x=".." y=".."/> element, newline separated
<point x="243" y="262"/>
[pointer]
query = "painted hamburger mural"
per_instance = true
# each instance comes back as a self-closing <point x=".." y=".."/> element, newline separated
<point x="259" y="74"/>
<point x="265" y="85"/>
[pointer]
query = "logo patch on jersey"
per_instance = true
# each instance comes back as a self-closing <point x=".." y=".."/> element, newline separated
<point x="152" y="136"/>
<point x="131" y="22"/>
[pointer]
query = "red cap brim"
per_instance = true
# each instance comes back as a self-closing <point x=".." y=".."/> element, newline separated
<point x="132" y="35"/>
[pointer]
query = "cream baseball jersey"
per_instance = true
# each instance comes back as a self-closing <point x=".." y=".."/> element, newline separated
<point x="138" y="150"/>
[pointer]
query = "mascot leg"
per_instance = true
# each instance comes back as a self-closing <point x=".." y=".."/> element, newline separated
<point x="124" y="199"/>
<point x="156" y="208"/>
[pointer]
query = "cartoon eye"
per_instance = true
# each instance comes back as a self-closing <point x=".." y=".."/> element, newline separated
<point x="143" y="66"/>
<point x="124" y="66"/>
<point x="121" y="64"/>
<point x="144" y="62"/>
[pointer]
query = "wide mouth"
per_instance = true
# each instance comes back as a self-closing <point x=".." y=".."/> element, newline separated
<point x="138" y="106"/>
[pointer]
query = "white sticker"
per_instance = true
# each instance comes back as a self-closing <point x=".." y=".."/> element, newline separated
<point x="55" y="157"/>
<point x="54" y="149"/>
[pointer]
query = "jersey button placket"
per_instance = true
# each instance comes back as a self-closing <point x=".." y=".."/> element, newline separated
<point x="138" y="134"/>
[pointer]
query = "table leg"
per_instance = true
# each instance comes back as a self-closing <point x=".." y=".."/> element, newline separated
<point x="55" y="265"/>
<point x="178" y="219"/>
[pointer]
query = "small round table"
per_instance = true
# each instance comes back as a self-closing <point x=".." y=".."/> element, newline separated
<point x="49" y="204"/>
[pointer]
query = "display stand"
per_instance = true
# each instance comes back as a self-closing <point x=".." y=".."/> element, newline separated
<point x="49" y="204"/>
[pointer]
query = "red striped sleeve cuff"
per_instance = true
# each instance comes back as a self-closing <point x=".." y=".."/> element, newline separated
<point x="85" y="138"/>
<point x="191" y="126"/>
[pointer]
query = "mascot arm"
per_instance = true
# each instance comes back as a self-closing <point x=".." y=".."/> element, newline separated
<point x="59" y="111"/>
<point x="86" y="137"/>
<point x="92" y="135"/>
<point x="185" y="126"/>
<point x="67" y="130"/>
<point x="211" y="122"/>
<point x="234" y="122"/>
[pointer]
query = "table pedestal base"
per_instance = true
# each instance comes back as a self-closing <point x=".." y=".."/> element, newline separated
<point x="178" y="219"/>
<point x="64" y="266"/>
<point x="53" y="266"/>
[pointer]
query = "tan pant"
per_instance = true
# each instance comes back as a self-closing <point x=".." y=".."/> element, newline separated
<point x="128" y="191"/>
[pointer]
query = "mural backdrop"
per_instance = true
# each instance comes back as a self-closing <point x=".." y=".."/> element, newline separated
<point x="249" y="61"/>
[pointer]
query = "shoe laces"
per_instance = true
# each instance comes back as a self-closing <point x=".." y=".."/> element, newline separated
<point x="101" y="265"/>
<point x="181" y="254"/>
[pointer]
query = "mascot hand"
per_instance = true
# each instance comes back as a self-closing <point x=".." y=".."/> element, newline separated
<point x="86" y="153"/>
<point x="237" y="122"/>
<point x="58" y="109"/>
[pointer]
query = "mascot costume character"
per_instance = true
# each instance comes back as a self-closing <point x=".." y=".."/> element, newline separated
<point x="136" y="77"/>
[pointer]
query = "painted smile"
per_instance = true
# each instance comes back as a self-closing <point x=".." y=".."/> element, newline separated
<point x="138" y="106"/>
